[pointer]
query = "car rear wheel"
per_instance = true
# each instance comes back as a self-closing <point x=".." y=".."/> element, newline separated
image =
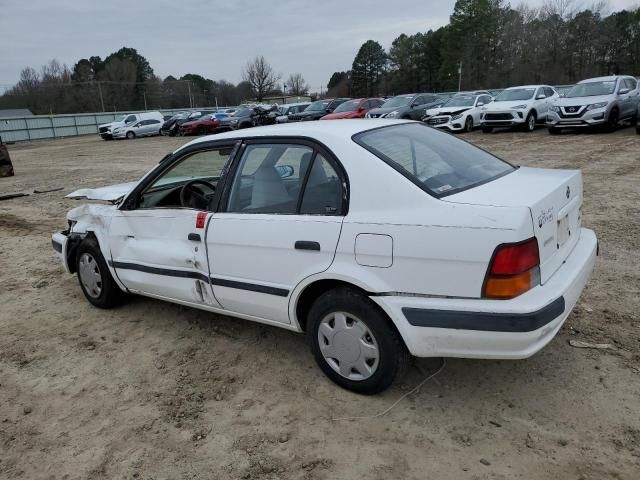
<point x="468" y="124"/>
<point x="354" y="343"/>
<point x="131" y="135"/>
<point x="530" y="124"/>
<point x="487" y="129"/>
<point x="94" y="276"/>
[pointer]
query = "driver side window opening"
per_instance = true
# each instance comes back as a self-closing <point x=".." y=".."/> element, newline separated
<point x="285" y="179"/>
<point x="202" y="168"/>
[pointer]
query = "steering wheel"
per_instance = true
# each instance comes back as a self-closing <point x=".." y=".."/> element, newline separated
<point x="191" y="196"/>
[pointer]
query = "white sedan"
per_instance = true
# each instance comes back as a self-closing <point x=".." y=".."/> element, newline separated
<point x="460" y="114"/>
<point x="379" y="239"/>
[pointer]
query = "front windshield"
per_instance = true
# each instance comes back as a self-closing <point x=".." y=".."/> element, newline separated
<point x="592" y="89"/>
<point x="350" y="106"/>
<point x="243" y="112"/>
<point x="316" y="106"/>
<point x="460" y="101"/>
<point x="400" y="101"/>
<point x="515" y="94"/>
<point x="437" y="162"/>
<point x="120" y="118"/>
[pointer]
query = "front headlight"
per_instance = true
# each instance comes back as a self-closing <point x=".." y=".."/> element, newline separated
<point x="595" y="106"/>
<point x="393" y="114"/>
<point x="456" y="117"/>
<point x="521" y="107"/>
<point x="555" y="109"/>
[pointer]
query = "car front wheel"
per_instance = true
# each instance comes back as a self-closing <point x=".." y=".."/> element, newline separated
<point x="95" y="279"/>
<point x="530" y="124"/>
<point x="354" y="343"/>
<point x="468" y="125"/>
<point x="131" y="135"/>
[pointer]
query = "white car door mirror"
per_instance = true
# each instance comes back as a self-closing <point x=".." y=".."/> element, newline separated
<point x="624" y="91"/>
<point x="542" y="96"/>
<point x="480" y="104"/>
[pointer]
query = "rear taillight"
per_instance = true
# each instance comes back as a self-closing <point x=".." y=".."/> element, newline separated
<point x="513" y="270"/>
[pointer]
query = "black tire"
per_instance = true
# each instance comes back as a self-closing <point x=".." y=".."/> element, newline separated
<point x="468" y="124"/>
<point x="109" y="294"/>
<point x="612" y="121"/>
<point x="487" y="129"/>
<point x="393" y="359"/>
<point x="530" y="122"/>
<point x="131" y="135"/>
<point x="201" y="130"/>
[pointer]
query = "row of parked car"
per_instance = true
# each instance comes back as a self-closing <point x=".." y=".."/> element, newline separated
<point x="602" y="101"/>
<point x="596" y="102"/>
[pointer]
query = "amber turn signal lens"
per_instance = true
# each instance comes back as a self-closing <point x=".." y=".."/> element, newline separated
<point x="510" y="286"/>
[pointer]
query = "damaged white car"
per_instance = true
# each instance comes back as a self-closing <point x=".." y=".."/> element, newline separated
<point x="379" y="239"/>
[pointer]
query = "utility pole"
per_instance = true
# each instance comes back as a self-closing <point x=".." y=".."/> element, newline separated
<point x="101" y="99"/>
<point x="190" y="99"/>
<point x="459" y="76"/>
<point x="144" y="95"/>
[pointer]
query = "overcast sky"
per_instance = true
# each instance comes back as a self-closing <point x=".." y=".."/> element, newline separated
<point x="214" y="38"/>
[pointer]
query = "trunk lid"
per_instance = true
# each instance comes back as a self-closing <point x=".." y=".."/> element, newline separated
<point x="554" y="198"/>
<point x="111" y="193"/>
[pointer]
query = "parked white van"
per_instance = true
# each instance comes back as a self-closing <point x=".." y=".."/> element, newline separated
<point x="106" y="130"/>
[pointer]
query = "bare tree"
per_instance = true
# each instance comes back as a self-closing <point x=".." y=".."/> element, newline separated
<point x="296" y="85"/>
<point x="260" y="76"/>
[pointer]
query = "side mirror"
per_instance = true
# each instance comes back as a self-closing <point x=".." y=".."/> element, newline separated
<point x="329" y="110"/>
<point x="285" y="171"/>
<point x="542" y="96"/>
<point x="624" y="91"/>
<point x="480" y="104"/>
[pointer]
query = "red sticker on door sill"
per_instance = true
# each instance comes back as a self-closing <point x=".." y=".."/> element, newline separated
<point x="200" y="219"/>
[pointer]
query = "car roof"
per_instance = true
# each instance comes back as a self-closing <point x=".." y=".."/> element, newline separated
<point x="527" y="86"/>
<point x="325" y="132"/>
<point x="609" y="78"/>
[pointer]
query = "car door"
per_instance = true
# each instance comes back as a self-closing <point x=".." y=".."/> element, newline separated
<point x="541" y="103"/>
<point x="477" y="111"/>
<point x="279" y="223"/>
<point x="628" y="99"/>
<point x="151" y="127"/>
<point x="157" y="237"/>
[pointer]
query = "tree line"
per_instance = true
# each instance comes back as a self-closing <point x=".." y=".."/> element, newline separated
<point x="490" y="44"/>
<point x="486" y="44"/>
<point x="125" y="80"/>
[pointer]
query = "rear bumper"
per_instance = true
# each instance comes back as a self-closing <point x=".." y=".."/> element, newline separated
<point x="508" y="329"/>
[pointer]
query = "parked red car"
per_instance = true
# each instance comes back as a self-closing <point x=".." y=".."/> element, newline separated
<point x="203" y="125"/>
<point x="356" y="108"/>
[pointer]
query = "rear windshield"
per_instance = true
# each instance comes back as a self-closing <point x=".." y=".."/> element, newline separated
<point x="436" y="161"/>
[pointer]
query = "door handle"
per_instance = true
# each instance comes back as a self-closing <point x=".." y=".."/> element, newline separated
<point x="194" y="237"/>
<point x="307" y="245"/>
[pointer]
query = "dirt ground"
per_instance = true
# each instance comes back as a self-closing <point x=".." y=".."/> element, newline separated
<point x="158" y="391"/>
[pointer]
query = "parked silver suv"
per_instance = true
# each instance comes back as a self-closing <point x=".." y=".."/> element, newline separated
<point x="602" y="101"/>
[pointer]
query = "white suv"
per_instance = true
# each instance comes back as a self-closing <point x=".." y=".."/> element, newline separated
<point x="602" y="101"/>
<point x="523" y="107"/>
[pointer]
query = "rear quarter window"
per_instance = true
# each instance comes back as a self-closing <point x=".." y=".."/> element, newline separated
<point x="435" y="161"/>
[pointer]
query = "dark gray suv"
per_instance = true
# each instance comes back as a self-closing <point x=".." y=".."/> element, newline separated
<point x="412" y="106"/>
